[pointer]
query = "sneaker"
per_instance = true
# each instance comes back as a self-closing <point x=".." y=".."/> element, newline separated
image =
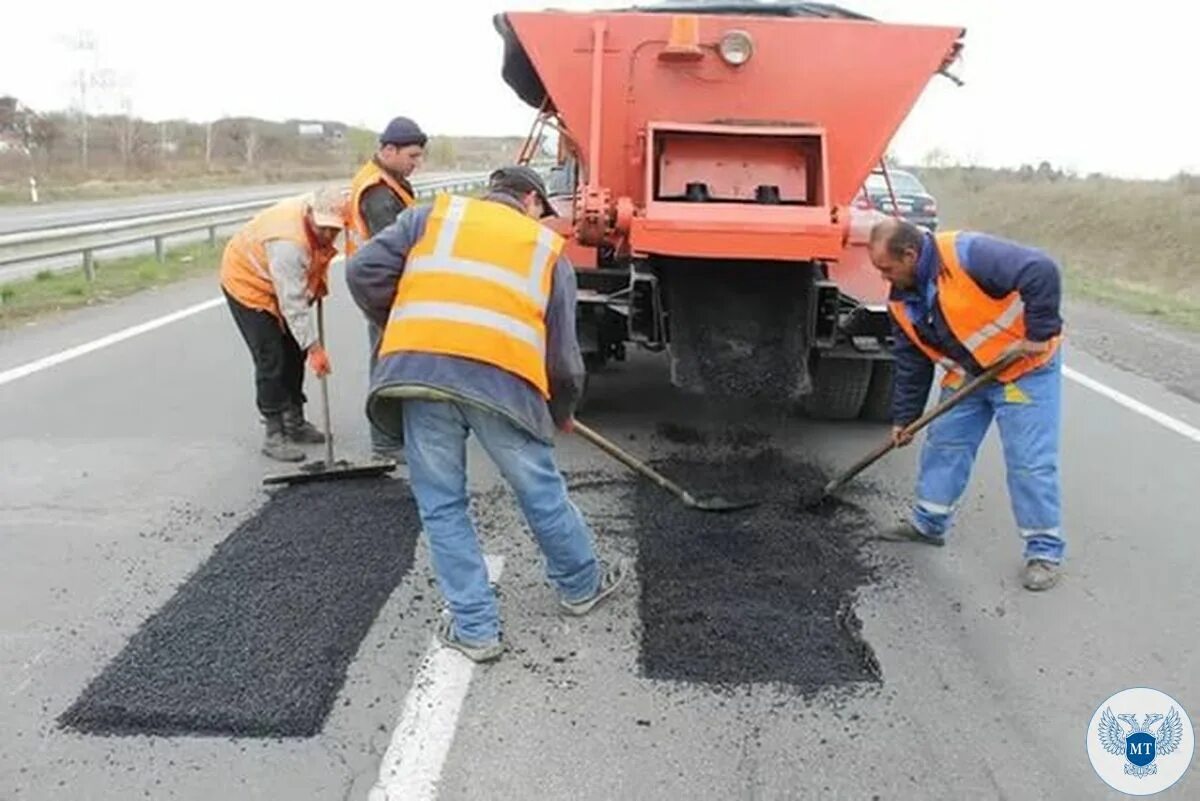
<point x="1040" y="574"/>
<point x="907" y="532"/>
<point x="481" y="652"/>
<point x="611" y="578"/>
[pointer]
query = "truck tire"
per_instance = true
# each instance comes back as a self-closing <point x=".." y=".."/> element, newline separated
<point x="877" y="407"/>
<point x="839" y="388"/>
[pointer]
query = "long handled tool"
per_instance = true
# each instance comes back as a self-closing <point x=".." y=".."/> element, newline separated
<point x="329" y="469"/>
<point x="912" y="428"/>
<point x="713" y="503"/>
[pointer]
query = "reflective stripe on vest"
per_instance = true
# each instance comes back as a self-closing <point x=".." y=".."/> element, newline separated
<point x="476" y="285"/>
<point x="368" y="175"/>
<point x="985" y="326"/>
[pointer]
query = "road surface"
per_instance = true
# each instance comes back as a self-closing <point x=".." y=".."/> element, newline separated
<point x="30" y="216"/>
<point x="124" y="468"/>
<point x="33" y="217"/>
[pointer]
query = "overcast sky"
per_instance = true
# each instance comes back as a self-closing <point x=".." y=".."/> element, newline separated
<point x="1090" y="87"/>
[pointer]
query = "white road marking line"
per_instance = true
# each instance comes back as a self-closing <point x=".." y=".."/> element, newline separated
<point x="29" y="368"/>
<point x="412" y="766"/>
<point x="1165" y="420"/>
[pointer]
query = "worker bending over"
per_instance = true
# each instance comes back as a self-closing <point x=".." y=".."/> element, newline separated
<point x="963" y="301"/>
<point x="272" y="271"/>
<point x="378" y="193"/>
<point x="477" y="306"/>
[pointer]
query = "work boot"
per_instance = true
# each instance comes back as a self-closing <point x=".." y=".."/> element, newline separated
<point x="611" y="579"/>
<point x="276" y="444"/>
<point x="1040" y="574"/>
<point x="907" y="532"/>
<point x="299" y="430"/>
<point x="476" y="652"/>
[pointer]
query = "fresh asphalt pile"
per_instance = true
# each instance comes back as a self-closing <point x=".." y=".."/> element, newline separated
<point x="257" y="641"/>
<point x="759" y="596"/>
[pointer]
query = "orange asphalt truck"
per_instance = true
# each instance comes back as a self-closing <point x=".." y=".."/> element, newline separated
<point x="708" y="157"/>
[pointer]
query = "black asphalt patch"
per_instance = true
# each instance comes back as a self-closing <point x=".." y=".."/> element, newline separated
<point x="760" y="596"/>
<point x="257" y="641"/>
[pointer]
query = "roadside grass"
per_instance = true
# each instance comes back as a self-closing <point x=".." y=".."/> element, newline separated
<point x="1134" y="245"/>
<point x="51" y="292"/>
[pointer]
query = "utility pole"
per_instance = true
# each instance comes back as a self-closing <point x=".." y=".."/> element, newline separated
<point x="84" y="45"/>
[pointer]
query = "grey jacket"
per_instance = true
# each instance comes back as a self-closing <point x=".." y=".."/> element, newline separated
<point x="373" y="274"/>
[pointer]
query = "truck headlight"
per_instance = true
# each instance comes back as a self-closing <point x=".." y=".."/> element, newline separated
<point x="736" y="48"/>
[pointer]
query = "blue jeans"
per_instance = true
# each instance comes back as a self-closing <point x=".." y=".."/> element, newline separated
<point x="435" y="445"/>
<point x="1028" y="414"/>
<point x="379" y="440"/>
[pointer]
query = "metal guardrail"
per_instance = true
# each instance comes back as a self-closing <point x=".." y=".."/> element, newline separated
<point x="88" y="238"/>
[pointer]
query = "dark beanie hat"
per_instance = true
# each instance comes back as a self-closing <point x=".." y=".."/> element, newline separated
<point x="402" y="132"/>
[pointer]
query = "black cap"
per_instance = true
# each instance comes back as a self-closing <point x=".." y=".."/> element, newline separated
<point x="524" y="179"/>
<point x="403" y="132"/>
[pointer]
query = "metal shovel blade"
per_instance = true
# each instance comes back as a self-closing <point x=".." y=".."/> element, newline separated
<point x="718" y="503"/>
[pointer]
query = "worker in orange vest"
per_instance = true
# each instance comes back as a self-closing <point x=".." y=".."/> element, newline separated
<point x="477" y="305"/>
<point x="378" y="193"/>
<point x="272" y="271"/>
<point x="963" y="301"/>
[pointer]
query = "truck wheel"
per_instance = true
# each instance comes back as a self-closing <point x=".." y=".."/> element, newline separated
<point x="878" y="405"/>
<point x="839" y="388"/>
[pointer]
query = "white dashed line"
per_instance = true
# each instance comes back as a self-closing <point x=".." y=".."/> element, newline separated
<point x="413" y="763"/>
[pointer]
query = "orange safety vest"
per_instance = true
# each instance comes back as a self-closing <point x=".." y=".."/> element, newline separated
<point x="368" y="176"/>
<point x="244" y="271"/>
<point x="476" y="285"/>
<point x="986" y="326"/>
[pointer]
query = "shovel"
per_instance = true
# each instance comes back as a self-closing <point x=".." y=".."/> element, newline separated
<point x="713" y="503"/>
<point x="329" y="469"/>
<point x="912" y="428"/>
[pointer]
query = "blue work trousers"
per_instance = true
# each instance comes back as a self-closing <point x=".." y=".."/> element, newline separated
<point x="1028" y="414"/>
<point x="435" y="445"/>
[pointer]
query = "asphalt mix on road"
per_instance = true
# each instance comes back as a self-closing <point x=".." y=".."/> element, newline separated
<point x="765" y="595"/>
<point x="257" y="641"/>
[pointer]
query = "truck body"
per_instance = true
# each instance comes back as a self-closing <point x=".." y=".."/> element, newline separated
<point x="708" y="157"/>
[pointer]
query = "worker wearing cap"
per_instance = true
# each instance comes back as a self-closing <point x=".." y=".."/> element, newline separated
<point x="378" y="193"/>
<point x="272" y="271"/>
<point x="963" y="301"/>
<point x="477" y="303"/>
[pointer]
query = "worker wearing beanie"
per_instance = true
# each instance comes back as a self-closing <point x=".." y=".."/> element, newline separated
<point x="378" y="193"/>
<point x="272" y="271"/>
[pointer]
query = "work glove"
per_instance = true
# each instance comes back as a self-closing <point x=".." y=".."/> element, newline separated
<point x="318" y="361"/>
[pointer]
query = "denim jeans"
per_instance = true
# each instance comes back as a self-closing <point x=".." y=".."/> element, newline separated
<point x="379" y="440"/>
<point x="1028" y="415"/>
<point x="435" y="445"/>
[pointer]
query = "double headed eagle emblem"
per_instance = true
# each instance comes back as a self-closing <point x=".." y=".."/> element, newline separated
<point x="1139" y="747"/>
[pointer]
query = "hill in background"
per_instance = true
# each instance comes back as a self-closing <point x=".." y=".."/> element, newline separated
<point x="118" y="154"/>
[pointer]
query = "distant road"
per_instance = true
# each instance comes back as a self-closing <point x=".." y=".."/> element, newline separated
<point x="30" y="217"/>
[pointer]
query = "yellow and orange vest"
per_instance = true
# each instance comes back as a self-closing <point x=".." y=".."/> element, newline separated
<point x="985" y="326"/>
<point x="476" y="285"/>
<point x="368" y="176"/>
<point x="244" y="271"/>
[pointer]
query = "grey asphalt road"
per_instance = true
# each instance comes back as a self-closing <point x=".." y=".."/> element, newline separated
<point x="32" y="217"/>
<point x="36" y="216"/>
<point x="123" y="469"/>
